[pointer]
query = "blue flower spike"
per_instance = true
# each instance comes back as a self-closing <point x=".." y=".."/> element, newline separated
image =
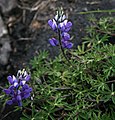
<point x="61" y="26"/>
<point x="19" y="89"/>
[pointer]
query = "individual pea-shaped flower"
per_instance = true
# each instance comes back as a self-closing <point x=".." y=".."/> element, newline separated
<point x="53" y="42"/>
<point x="67" y="44"/>
<point x="65" y="26"/>
<point x="65" y="36"/>
<point x="53" y="25"/>
<point x="23" y="76"/>
<point x="13" y="80"/>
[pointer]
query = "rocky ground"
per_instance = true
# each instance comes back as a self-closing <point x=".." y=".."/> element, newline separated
<point x="24" y="30"/>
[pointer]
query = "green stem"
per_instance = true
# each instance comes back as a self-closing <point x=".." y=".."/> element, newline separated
<point x="97" y="11"/>
<point x="60" y="44"/>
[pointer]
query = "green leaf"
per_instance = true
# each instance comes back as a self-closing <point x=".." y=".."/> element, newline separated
<point x="113" y="99"/>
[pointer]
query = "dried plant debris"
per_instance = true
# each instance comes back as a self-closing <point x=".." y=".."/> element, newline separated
<point x="5" y="46"/>
<point x="7" y="5"/>
<point x="3" y="29"/>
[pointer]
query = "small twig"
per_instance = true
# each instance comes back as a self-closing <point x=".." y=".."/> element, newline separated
<point x="105" y="32"/>
<point x="97" y="11"/>
<point x="63" y="88"/>
<point x="24" y="16"/>
<point x="36" y="6"/>
<point x="27" y="108"/>
<point x="24" y="39"/>
<point x="93" y="100"/>
<point x="112" y="81"/>
<point x="1" y="87"/>
<point x="6" y="115"/>
<point x="64" y="96"/>
<point x="24" y="8"/>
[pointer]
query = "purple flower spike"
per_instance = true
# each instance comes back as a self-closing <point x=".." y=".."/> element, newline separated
<point x="61" y="26"/>
<point x="53" y="42"/>
<point x="53" y="24"/>
<point x="18" y="90"/>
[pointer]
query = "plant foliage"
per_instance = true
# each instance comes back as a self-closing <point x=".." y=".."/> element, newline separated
<point x="84" y="88"/>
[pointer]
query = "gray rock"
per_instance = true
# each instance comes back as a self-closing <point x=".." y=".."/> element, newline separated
<point x="7" y="5"/>
<point x="112" y="2"/>
<point x="3" y="29"/>
<point x="5" y="46"/>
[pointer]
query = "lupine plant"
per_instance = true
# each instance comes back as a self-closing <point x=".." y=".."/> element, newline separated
<point x="82" y="90"/>
<point x="61" y="26"/>
<point x="18" y="89"/>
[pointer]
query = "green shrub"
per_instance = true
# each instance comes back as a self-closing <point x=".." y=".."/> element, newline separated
<point x="84" y="87"/>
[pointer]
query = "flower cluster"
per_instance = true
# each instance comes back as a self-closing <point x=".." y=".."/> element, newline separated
<point x="19" y="88"/>
<point x="61" y="26"/>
